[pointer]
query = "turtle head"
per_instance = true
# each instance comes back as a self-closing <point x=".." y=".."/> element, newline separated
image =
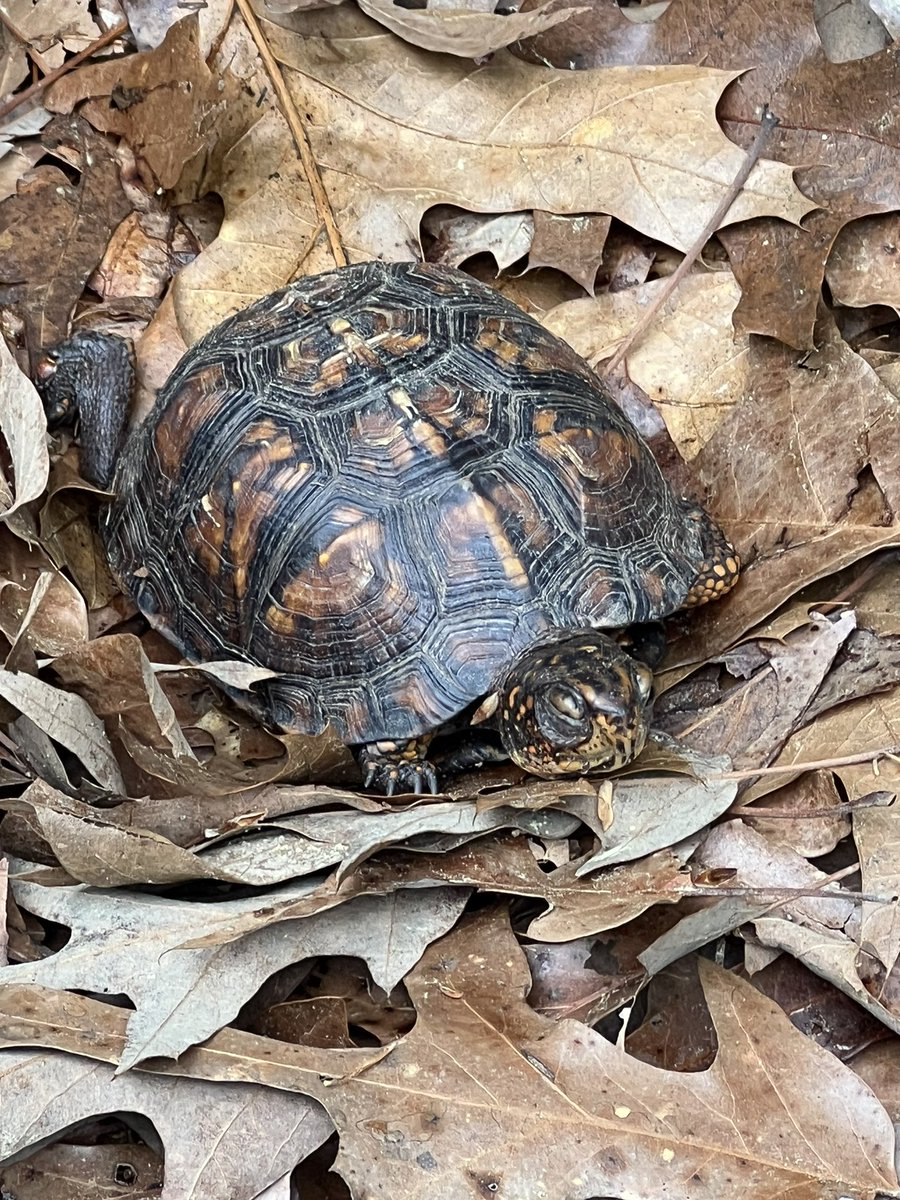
<point x="575" y="706"/>
<point x="89" y="379"/>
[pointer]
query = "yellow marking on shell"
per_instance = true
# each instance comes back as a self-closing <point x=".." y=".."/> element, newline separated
<point x="513" y="695"/>
<point x="732" y="565"/>
<point x="332" y="371"/>
<point x="357" y="346"/>
<point x="719" y="569"/>
<point x="545" y="421"/>
<point x="401" y="398"/>
<point x="235" y="486"/>
<point x="279" y="619"/>
<point x="207" y="505"/>
<point x="348" y="559"/>
<point x="398" y="343"/>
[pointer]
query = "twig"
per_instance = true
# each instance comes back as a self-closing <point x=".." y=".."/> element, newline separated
<point x="836" y="877"/>
<point x="849" y="760"/>
<point x="767" y="125"/>
<point x="802" y="814"/>
<point x="304" y="149"/>
<point x="69" y="65"/>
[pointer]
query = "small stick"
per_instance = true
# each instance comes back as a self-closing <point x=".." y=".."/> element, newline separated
<point x="803" y="814"/>
<point x="767" y="125"/>
<point x="301" y="140"/>
<point x="69" y="65"/>
<point x="849" y="760"/>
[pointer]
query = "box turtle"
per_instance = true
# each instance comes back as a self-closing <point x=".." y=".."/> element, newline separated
<point x="392" y="487"/>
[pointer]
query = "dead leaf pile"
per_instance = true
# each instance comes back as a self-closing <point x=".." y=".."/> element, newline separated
<point x="220" y="958"/>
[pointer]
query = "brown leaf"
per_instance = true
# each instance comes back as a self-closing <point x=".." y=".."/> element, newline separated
<point x="690" y="363"/>
<point x="525" y="1102"/>
<point x="209" y="1133"/>
<point x="818" y="1009"/>
<point x="53" y="232"/>
<point x="572" y="145"/>
<point x="63" y="1171"/>
<point x="459" y="235"/>
<point x="574" y="244"/>
<point x="113" y="674"/>
<point x="751" y="720"/>
<point x="864" y="265"/>
<point x="677" y="1033"/>
<point x="808" y="495"/>
<point x="462" y="30"/>
<point x="833" y="121"/>
<point x="123" y="941"/>
<point x="809" y="832"/>
<point x="37" y="603"/>
<point x="165" y="103"/>
<point x="505" y="864"/>
<point x="48" y="27"/>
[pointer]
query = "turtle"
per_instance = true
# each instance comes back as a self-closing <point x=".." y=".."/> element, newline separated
<point x="410" y="501"/>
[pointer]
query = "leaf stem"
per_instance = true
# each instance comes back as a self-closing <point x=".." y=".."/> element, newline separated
<point x="767" y="125"/>
<point x="301" y="139"/>
<point x="848" y="760"/>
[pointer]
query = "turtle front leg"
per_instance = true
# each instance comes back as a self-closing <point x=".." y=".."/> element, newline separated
<point x="398" y="766"/>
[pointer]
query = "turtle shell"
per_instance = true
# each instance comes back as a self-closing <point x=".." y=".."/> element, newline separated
<point x="385" y="483"/>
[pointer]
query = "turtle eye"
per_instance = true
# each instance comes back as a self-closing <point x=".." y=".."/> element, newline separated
<point x="644" y="677"/>
<point x="568" y="702"/>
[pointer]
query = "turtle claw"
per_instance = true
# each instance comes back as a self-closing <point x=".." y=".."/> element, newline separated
<point x="398" y="768"/>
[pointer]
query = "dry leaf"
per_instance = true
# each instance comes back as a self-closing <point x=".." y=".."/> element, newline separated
<point x="165" y="103"/>
<point x="459" y="235"/>
<point x="750" y="720"/>
<point x="310" y="842"/>
<point x="210" y="1133"/>
<point x="114" y="675"/>
<point x="835" y="120"/>
<point x="652" y="812"/>
<point x="461" y="30"/>
<point x="53" y="232"/>
<point x="572" y="145"/>
<point x="525" y="1102"/>
<point x="68" y="720"/>
<point x="24" y="427"/>
<point x="808" y="495"/>
<point x="136" y="942"/>
<point x="864" y="264"/>
<point x="690" y="363"/>
<point x="574" y="245"/>
<point x="150" y="20"/>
